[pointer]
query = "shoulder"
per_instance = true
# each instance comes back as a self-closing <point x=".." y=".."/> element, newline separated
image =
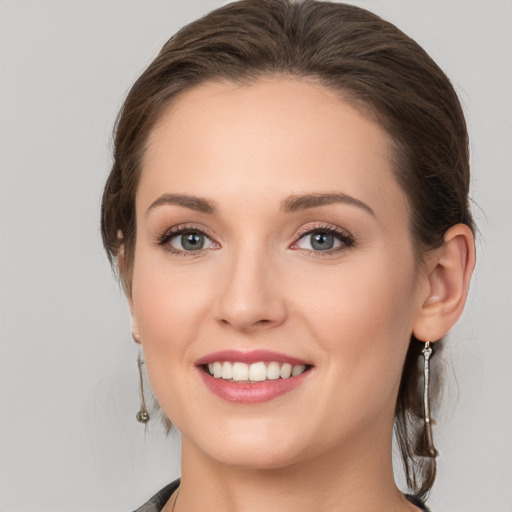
<point x="158" y="501"/>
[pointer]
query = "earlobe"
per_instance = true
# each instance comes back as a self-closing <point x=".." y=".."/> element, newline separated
<point x="135" y="328"/>
<point x="448" y="276"/>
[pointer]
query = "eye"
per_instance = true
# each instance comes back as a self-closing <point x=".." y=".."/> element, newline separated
<point x="323" y="239"/>
<point x="186" y="241"/>
<point x="190" y="241"/>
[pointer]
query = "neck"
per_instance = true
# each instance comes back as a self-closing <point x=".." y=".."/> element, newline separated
<point x="358" y="477"/>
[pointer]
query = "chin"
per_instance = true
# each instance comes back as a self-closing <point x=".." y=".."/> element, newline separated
<point x="255" y="447"/>
<point x="254" y="457"/>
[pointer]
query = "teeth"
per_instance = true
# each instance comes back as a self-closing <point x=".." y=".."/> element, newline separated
<point x="227" y="371"/>
<point x="217" y="370"/>
<point x="273" y="371"/>
<point x="240" y="371"/>
<point x="256" y="372"/>
<point x="286" y="371"/>
<point x="298" y="369"/>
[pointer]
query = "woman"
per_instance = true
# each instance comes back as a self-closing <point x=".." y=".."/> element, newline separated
<point x="288" y="211"/>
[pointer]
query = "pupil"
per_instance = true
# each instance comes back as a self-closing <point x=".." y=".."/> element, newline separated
<point x="322" y="241"/>
<point x="192" y="241"/>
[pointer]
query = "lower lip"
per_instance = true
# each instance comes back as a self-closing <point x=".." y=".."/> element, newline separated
<point x="251" y="392"/>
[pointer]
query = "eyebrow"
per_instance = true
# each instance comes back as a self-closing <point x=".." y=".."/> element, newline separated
<point x="295" y="203"/>
<point x="199" y="204"/>
<point x="291" y="204"/>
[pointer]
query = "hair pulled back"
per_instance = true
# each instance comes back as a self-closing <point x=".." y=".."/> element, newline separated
<point x="373" y="65"/>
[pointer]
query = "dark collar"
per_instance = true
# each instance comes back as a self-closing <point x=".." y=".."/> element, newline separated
<point x="158" y="501"/>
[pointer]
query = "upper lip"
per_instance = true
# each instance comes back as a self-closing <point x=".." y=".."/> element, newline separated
<point x="253" y="356"/>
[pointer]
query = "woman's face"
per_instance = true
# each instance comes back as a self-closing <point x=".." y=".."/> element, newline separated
<point x="272" y="236"/>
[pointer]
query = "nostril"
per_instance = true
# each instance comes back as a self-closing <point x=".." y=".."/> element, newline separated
<point x="246" y="325"/>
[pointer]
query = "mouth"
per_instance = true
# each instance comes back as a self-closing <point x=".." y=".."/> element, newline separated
<point x="251" y="377"/>
<point x="256" y="372"/>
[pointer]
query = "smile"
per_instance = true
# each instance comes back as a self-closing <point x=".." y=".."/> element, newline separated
<point x="251" y="377"/>
<point x="255" y="372"/>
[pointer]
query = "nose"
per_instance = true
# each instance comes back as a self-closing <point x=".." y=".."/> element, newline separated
<point x="251" y="296"/>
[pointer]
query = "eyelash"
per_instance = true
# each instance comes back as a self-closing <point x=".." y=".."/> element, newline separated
<point x="346" y="239"/>
<point x="180" y="230"/>
<point x="343" y="236"/>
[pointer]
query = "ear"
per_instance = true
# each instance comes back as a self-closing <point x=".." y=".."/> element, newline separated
<point x="135" y="327"/>
<point x="135" y="335"/>
<point x="121" y="266"/>
<point x="448" y="274"/>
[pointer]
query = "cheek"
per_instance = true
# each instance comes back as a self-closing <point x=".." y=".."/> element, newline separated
<point x="363" y="324"/>
<point x="172" y="306"/>
<point x="167" y="304"/>
<point x="362" y="295"/>
<point x="169" y="311"/>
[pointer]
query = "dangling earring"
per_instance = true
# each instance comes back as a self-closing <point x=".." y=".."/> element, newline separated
<point x="143" y="415"/>
<point x="427" y="352"/>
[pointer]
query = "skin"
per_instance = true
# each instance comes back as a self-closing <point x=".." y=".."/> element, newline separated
<point x="259" y="284"/>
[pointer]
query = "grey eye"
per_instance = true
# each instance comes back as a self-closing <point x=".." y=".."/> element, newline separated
<point x="190" y="241"/>
<point x="319" y="241"/>
<point x="322" y="241"/>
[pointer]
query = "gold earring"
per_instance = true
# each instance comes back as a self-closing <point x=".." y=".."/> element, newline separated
<point x="427" y="352"/>
<point x="142" y="415"/>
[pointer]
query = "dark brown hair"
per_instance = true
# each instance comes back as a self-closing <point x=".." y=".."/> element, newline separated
<point x="373" y="65"/>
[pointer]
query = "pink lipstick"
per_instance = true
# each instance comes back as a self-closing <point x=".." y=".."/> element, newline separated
<point x="251" y="377"/>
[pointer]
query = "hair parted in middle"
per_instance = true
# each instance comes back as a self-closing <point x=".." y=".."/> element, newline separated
<point x="373" y="66"/>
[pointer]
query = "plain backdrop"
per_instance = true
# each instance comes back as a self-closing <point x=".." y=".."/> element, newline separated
<point x="69" y="440"/>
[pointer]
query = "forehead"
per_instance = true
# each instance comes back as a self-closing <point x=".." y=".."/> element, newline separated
<point x="265" y="139"/>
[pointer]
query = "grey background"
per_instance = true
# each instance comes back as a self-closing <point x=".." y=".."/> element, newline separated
<point x="68" y="381"/>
